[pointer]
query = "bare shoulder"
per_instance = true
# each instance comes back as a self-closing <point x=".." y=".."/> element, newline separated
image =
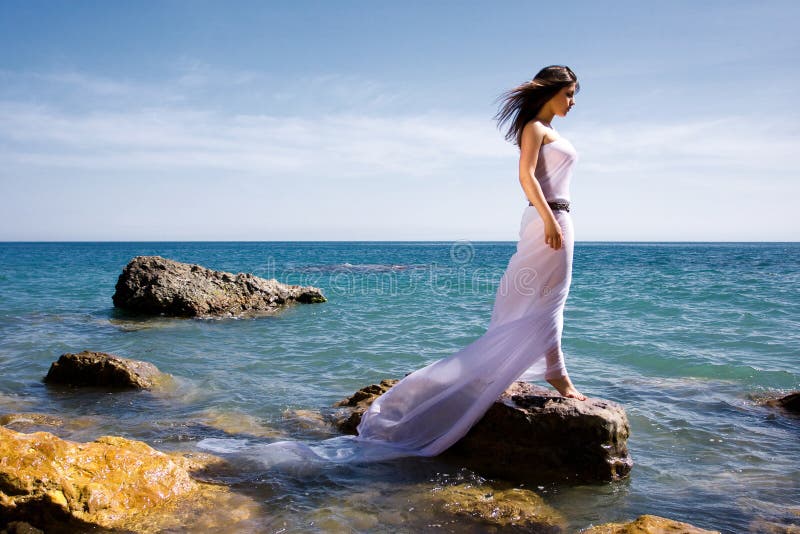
<point x="534" y="133"/>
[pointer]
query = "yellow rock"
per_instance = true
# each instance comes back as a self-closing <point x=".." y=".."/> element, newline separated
<point x="112" y="482"/>
<point x="496" y="506"/>
<point x="648" y="524"/>
<point x="237" y="423"/>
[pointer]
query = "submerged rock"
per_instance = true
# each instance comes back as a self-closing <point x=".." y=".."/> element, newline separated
<point x="237" y="423"/>
<point x="63" y="486"/>
<point x="30" y="419"/>
<point x="764" y="526"/>
<point x="648" y="524"/>
<point x="466" y="504"/>
<point x="160" y="286"/>
<point x="519" y="508"/>
<point x="89" y="368"/>
<point x="529" y="434"/>
<point x="20" y="527"/>
<point x="790" y="402"/>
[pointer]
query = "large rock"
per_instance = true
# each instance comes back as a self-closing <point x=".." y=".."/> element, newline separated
<point x="89" y="368"/>
<point x="648" y="524"/>
<point x="156" y="285"/>
<point x="63" y="486"/>
<point x="529" y="434"/>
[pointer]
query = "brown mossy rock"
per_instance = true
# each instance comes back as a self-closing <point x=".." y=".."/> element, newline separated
<point x="528" y="434"/>
<point x="112" y="482"/>
<point x="89" y="368"/>
<point x="790" y="402"/>
<point x="648" y="524"/>
<point x="160" y="286"/>
<point x="516" y="509"/>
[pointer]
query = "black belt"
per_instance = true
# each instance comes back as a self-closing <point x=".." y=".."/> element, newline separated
<point x="556" y="205"/>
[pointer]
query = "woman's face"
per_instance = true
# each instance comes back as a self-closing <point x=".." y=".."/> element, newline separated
<point x="563" y="101"/>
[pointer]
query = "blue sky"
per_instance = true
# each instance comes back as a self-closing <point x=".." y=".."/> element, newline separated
<point x="198" y="120"/>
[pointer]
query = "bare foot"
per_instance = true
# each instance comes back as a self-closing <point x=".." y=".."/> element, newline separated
<point x="564" y="386"/>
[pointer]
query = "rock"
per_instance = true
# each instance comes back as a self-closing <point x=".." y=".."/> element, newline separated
<point x="790" y="402"/>
<point x="63" y="486"/>
<point x="347" y="420"/>
<point x="156" y="285"/>
<point x="308" y="423"/>
<point x="648" y="524"/>
<point x="763" y="526"/>
<point x="90" y="368"/>
<point x="237" y="424"/>
<point x="528" y="434"/>
<point x="20" y="527"/>
<point x="520" y="508"/>
<point x="30" y="419"/>
<point x="458" y="502"/>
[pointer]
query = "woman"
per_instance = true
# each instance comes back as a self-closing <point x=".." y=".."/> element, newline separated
<point x="435" y="406"/>
<point x="543" y="153"/>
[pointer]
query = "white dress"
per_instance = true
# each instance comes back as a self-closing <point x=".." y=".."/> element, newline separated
<point x="433" y="407"/>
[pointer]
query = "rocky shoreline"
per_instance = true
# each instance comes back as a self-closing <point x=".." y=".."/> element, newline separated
<point x="57" y="485"/>
<point x="52" y="484"/>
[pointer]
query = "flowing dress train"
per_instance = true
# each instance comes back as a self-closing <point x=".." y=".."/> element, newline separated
<point x="435" y="406"/>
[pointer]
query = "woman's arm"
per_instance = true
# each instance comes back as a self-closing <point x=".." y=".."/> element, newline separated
<point x="533" y="135"/>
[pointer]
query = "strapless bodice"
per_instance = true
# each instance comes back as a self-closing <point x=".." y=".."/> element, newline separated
<point x="554" y="168"/>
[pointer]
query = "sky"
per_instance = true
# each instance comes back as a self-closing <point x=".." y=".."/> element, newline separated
<point x="349" y="120"/>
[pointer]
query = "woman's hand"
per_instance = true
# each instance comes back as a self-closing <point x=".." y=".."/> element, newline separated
<point x="553" y="235"/>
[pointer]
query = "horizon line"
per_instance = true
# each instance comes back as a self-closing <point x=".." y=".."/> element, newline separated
<point x="374" y="241"/>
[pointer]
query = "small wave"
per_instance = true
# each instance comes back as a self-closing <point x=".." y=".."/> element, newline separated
<point x="361" y="267"/>
<point x="306" y="454"/>
<point x="222" y="445"/>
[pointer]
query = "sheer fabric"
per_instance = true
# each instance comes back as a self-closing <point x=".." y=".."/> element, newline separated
<point x="432" y="408"/>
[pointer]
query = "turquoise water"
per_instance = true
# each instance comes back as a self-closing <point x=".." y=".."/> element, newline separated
<point x="684" y="335"/>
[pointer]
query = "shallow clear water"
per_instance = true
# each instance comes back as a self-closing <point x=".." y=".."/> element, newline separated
<point x="683" y="335"/>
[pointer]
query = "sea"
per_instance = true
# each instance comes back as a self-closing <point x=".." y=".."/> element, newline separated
<point x="689" y="338"/>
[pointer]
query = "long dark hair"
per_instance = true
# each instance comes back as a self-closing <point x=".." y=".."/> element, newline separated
<point x="522" y="103"/>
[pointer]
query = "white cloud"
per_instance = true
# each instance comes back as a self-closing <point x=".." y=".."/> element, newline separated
<point x="345" y="145"/>
<point x="449" y="170"/>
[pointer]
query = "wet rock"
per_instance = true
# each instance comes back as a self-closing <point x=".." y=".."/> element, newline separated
<point x="465" y="504"/>
<point x="763" y="526"/>
<point x="63" y="486"/>
<point x="790" y="402"/>
<point x="519" y="509"/>
<point x="237" y="424"/>
<point x="529" y="434"/>
<point x="160" y="286"/>
<point x="90" y="368"/>
<point x="20" y="527"/>
<point x="30" y="420"/>
<point x="71" y="428"/>
<point x="308" y="423"/>
<point x="347" y="420"/>
<point x="648" y="524"/>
